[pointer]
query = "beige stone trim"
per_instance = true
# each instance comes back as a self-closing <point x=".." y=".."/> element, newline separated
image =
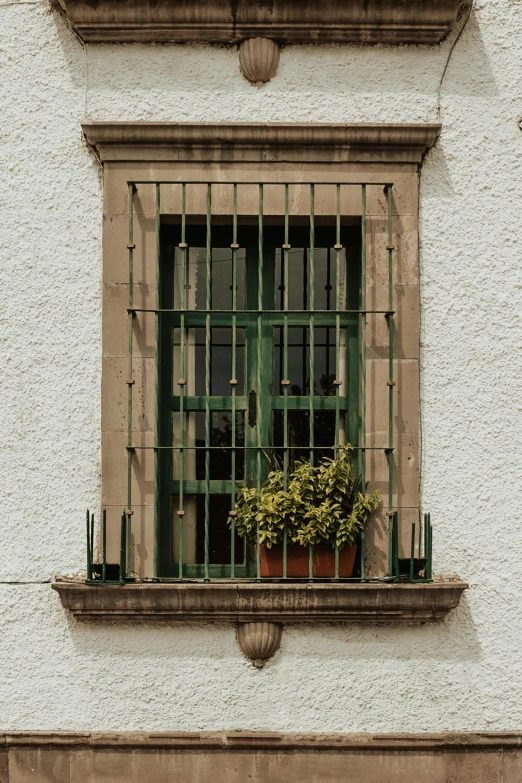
<point x="247" y="602"/>
<point x="286" y="21"/>
<point x="264" y="740"/>
<point x="247" y="152"/>
<point x="259" y="757"/>
<point x="241" y="142"/>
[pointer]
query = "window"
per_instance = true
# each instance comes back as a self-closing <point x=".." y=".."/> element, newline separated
<point x="362" y="233"/>
<point x="143" y="404"/>
<point x="258" y="360"/>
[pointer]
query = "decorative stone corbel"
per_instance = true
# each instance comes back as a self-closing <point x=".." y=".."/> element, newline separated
<point x="259" y="59"/>
<point x="259" y="641"/>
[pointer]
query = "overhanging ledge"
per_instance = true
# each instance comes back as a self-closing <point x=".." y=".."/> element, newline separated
<point x="244" y="602"/>
<point x="264" y="142"/>
<point x="286" y="21"/>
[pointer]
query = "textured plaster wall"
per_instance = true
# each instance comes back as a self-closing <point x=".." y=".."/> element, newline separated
<point x="465" y="673"/>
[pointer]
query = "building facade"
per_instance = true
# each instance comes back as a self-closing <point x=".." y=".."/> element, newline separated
<point x="236" y="236"/>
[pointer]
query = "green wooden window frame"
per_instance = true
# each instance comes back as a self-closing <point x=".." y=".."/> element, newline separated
<point x="259" y="327"/>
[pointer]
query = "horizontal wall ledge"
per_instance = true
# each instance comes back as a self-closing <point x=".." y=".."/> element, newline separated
<point x="265" y="142"/>
<point x="260" y="757"/>
<point x="265" y="740"/>
<point x="286" y="21"/>
<point x="243" y="602"/>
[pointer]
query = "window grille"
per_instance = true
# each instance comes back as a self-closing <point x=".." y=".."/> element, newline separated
<point x="260" y="351"/>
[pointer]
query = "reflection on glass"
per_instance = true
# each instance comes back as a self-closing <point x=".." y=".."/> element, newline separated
<point x="194" y="531"/>
<point x="194" y="446"/>
<point x="298" y="351"/>
<point x="298" y="436"/>
<point x="221" y="279"/>
<point x="220" y="361"/>
<point x="325" y="274"/>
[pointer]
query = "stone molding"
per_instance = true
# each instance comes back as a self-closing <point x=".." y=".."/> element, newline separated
<point x="285" y="21"/>
<point x="329" y="142"/>
<point x="262" y="740"/>
<point x="259" y="757"/>
<point x="247" y="602"/>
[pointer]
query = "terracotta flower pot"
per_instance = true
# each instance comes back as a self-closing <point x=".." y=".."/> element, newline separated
<point x="297" y="561"/>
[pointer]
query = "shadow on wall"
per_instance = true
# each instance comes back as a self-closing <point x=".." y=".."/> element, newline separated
<point x="139" y="81"/>
<point x="453" y="640"/>
<point x="73" y="49"/>
<point x="469" y="72"/>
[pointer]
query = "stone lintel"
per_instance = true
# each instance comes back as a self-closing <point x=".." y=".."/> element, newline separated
<point x="265" y="142"/>
<point x="244" y="602"/>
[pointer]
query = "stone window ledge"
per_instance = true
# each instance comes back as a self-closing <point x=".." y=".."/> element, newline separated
<point x="247" y="602"/>
<point x="285" y="21"/>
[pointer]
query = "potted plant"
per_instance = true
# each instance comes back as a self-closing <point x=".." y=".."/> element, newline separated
<point x="322" y="506"/>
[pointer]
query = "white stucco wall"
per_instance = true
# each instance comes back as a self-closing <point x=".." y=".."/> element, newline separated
<point x="465" y="673"/>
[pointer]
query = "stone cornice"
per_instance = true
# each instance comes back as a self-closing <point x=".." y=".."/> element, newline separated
<point x="286" y="21"/>
<point x="244" y="602"/>
<point x="367" y="142"/>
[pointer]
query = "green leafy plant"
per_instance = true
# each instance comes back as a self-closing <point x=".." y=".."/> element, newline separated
<point x="322" y="504"/>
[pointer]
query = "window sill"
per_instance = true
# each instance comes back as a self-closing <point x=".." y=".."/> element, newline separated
<point x="247" y="602"/>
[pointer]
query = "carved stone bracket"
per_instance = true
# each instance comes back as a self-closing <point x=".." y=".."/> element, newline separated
<point x="259" y="58"/>
<point x="260" y="610"/>
<point x="259" y="641"/>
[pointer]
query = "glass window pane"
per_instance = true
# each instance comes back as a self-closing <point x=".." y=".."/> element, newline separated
<point x="194" y="370"/>
<point x="325" y="279"/>
<point x="196" y="279"/>
<point x="220" y="460"/>
<point x="298" y="351"/>
<point x="222" y="281"/>
<point x="221" y="362"/>
<point x="194" y="531"/>
<point x="297" y="279"/>
<point x="325" y="362"/>
<point x="298" y="436"/>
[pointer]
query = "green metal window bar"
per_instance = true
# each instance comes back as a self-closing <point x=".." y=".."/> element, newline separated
<point x="254" y="404"/>
<point x="416" y="568"/>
